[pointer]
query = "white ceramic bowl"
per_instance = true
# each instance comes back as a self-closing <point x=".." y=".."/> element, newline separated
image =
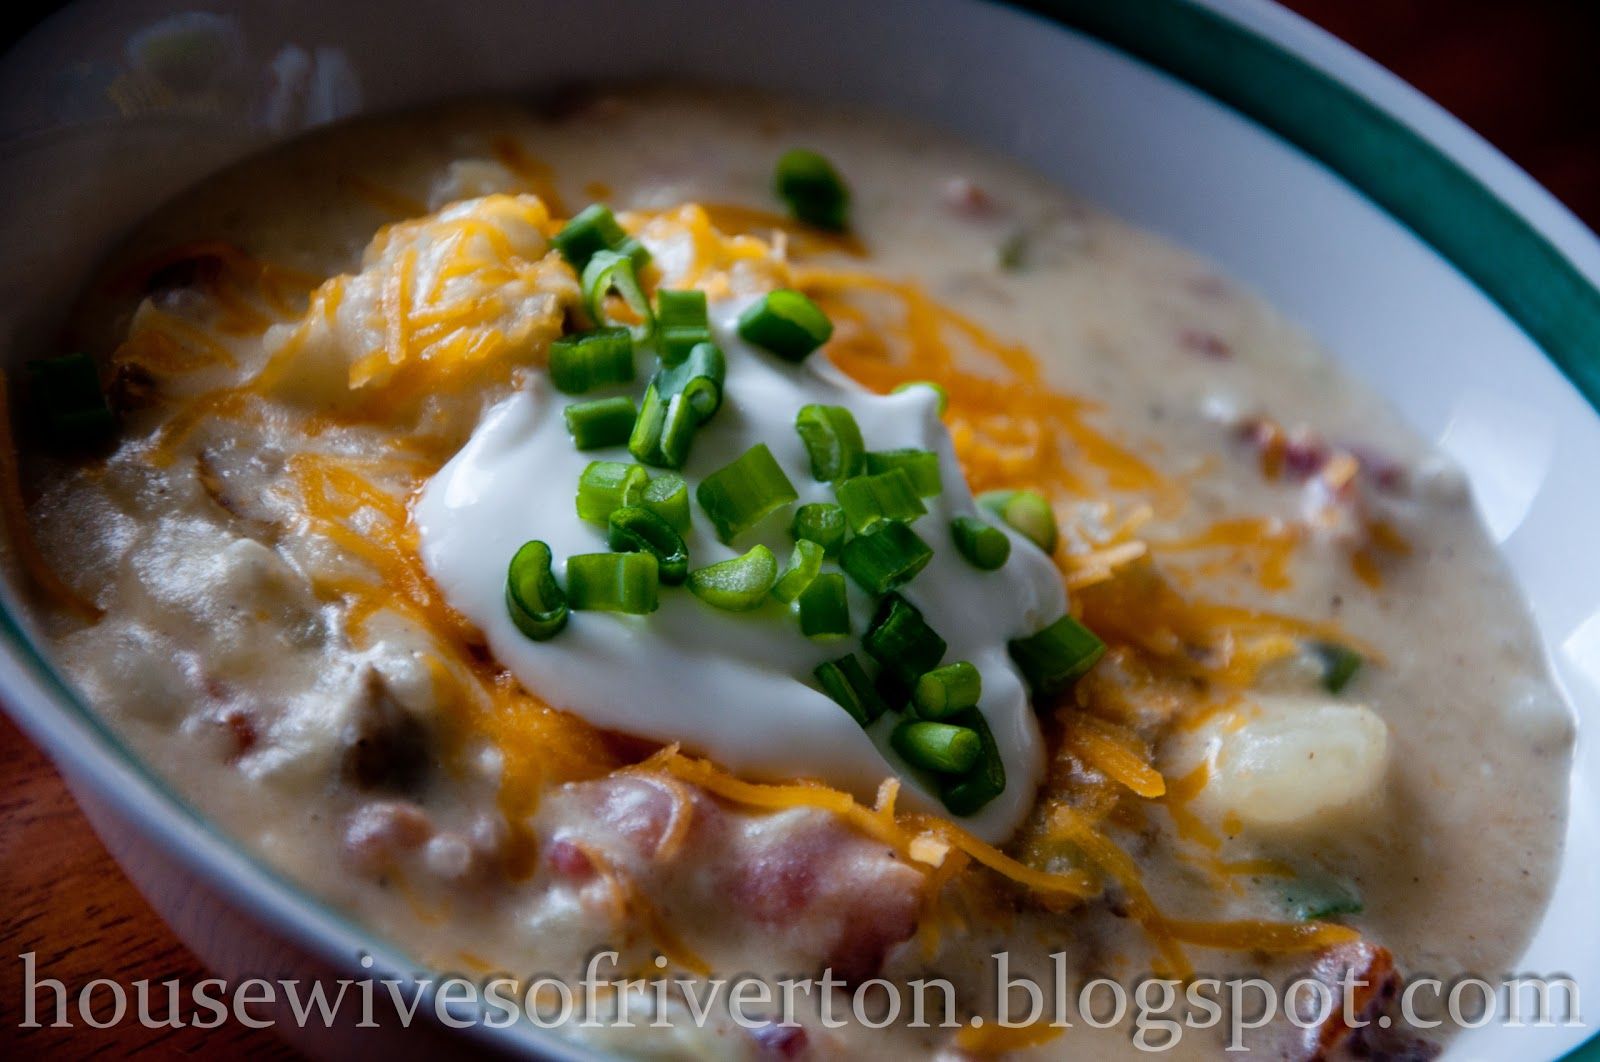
<point x="1427" y="263"/>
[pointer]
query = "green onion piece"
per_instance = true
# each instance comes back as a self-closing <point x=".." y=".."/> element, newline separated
<point x="786" y="323"/>
<point x="594" y="229"/>
<point x="870" y="500"/>
<point x="601" y="423"/>
<point x="946" y="690"/>
<point x="940" y="747"/>
<point x="580" y="363"/>
<point x="938" y="390"/>
<point x="605" y="486"/>
<point x="921" y="465"/>
<point x="698" y="377"/>
<point x="886" y="557"/>
<point x="664" y="431"/>
<point x="813" y="189"/>
<point x="832" y="441"/>
<point x="66" y="392"/>
<point x="740" y="495"/>
<point x="847" y="684"/>
<point x="1055" y="657"/>
<point x="1319" y="897"/>
<point x="681" y="323"/>
<point x="822" y="523"/>
<point x="739" y="584"/>
<point x="613" y="582"/>
<point x="901" y="640"/>
<point x="1026" y="511"/>
<point x="804" y="566"/>
<point x="635" y="529"/>
<point x="667" y="495"/>
<point x="986" y="780"/>
<point x="534" y="599"/>
<point x="610" y="271"/>
<point x="985" y="547"/>
<point x="1339" y="664"/>
<point x="825" y="608"/>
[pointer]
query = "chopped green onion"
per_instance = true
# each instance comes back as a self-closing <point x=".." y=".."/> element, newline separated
<point x="1026" y="511"/>
<point x="605" y="486"/>
<point x="739" y="584"/>
<point x="832" y="441"/>
<point x="886" y="557"/>
<point x="987" y="780"/>
<point x="740" y="495"/>
<point x="681" y="323"/>
<point x="610" y="271"/>
<point x="813" y="189"/>
<point x="698" y="376"/>
<point x="1055" y="657"/>
<point x="1319" y="897"/>
<point x="940" y="693"/>
<point x="601" y="423"/>
<point x="847" y="684"/>
<point x="804" y="566"/>
<point x="1339" y="664"/>
<point x="938" y="390"/>
<point x="984" y="546"/>
<point x="822" y="523"/>
<point x="634" y="529"/>
<point x="594" y="229"/>
<point x="786" y="323"/>
<point x="582" y="362"/>
<point x="921" y="465"/>
<point x="664" y="431"/>
<point x="613" y="582"/>
<point x="66" y="391"/>
<point x="901" y="640"/>
<point x="825" y="608"/>
<point x="533" y="598"/>
<point x="939" y="747"/>
<point x="667" y="495"/>
<point x="870" y="500"/>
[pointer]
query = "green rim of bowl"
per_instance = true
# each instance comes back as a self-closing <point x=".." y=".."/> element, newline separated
<point x="1387" y="161"/>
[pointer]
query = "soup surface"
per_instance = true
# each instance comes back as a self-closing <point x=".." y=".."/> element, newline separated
<point x="1320" y="739"/>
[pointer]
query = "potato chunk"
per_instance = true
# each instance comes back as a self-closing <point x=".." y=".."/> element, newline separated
<point x="1287" y="762"/>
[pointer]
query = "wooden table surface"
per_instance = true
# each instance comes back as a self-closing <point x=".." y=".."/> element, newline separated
<point x="1522" y="73"/>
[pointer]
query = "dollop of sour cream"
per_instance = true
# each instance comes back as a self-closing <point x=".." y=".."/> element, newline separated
<point x="737" y="687"/>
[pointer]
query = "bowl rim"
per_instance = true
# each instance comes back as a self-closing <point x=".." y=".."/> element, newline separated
<point x="1417" y="163"/>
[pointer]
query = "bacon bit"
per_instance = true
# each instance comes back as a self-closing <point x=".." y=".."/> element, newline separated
<point x="377" y="833"/>
<point x="780" y="1041"/>
<point x="1376" y="984"/>
<point x="1206" y="344"/>
<point x="965" y="196"/>
<point x="569" y="860"/>
<point x="241" y="727"/>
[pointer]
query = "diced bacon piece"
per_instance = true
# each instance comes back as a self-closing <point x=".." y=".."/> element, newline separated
<point x="1207" y="344"/>
<point x="378" y="833"/>
<point x="966" y="197"/>
<point x="1375" y="989"/>
<point x="780" y="1041"/>
<point x="568" y="860"/>
<point x="844" y="897"/>
<point x="834" y="897"/>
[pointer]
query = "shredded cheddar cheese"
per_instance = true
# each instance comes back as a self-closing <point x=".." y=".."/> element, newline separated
<point x="453" y="302"/>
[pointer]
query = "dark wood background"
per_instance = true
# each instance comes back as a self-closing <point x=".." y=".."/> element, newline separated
<point x="1524" y="73"/>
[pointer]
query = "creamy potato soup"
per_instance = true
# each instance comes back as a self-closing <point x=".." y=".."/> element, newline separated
<point x="731" y="538"/>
